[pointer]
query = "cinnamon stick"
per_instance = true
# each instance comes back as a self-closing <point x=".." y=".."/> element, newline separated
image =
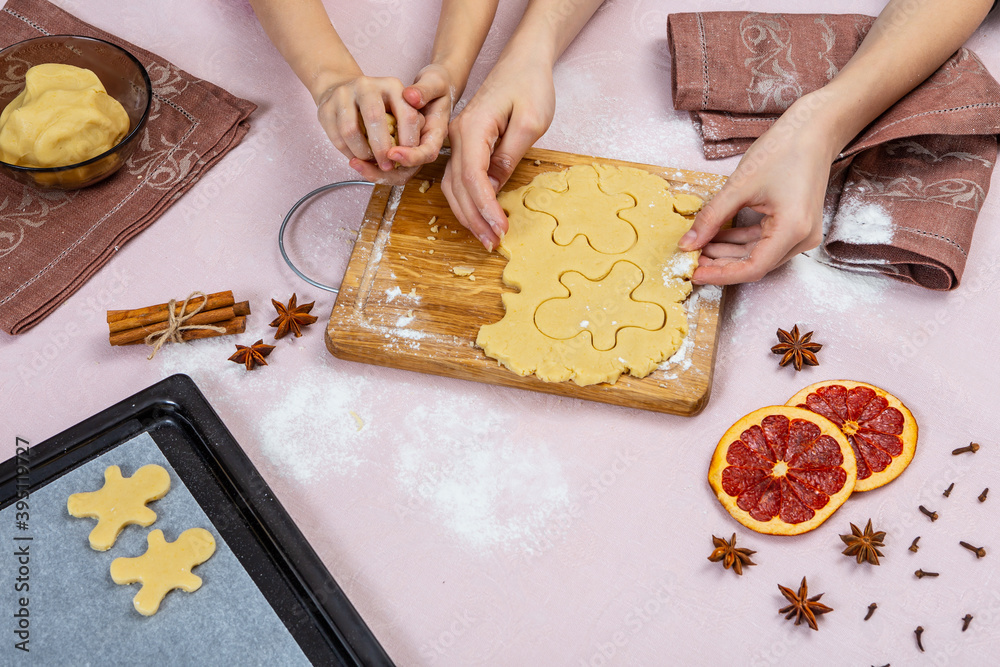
<point x="216" y="316"/>
<point x="234" y="326"/>
<point x="122" y="320"/>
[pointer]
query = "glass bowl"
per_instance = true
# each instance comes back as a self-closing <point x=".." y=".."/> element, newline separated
<point x="123" y="76"/>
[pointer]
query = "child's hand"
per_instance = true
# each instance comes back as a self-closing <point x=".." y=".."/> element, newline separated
<point x="432" y="93"/>
<point x="783" y="175"/>
<point x="511" y="110"/>
<point x="353" y="113"/>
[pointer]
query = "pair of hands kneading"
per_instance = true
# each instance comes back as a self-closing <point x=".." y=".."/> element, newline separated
<point x="385" y="130"/>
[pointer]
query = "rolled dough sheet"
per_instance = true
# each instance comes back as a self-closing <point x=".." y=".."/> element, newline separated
<point x="593" y="253"/>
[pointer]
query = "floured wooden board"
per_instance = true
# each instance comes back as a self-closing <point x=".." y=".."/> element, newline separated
<point x="402" y="305"/>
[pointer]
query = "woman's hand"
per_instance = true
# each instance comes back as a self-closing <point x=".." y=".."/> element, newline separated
<point x="783" y="175"/>
<point x="511" y="110"/>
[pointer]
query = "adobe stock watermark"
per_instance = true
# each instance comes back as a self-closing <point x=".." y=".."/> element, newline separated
<point x="562" y="12"/>
<point x="433" y="649"/>
<point x="776" y="652"/>
<point x="21" y="547"/>
<point x="379" y="21"/>
<point x="928" y="329"/>
<point x="945" y="650"/>
<point x="633" y="622"/>
<point x="91" y="311"/>
<point x="210" y="186"/>
<point x="560" y="523"/>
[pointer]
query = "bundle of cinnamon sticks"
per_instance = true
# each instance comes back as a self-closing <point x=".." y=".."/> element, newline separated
<point x="131" y="327"/>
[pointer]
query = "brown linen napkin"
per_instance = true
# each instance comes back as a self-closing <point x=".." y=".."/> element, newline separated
<point x="53" y="242"/>
<point x="905" y="194"/>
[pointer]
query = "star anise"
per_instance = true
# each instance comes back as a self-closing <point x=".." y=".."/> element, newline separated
<point x="252" y="356"/>
<point x="803" y="607"/>
<point x="730" y="555"/>
<point x="865" y="544"/>
<point x="291" y="317"/>
<point x="796" y="349"/>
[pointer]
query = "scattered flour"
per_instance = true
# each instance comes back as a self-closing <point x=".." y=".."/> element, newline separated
<point x="301" y="419"/>
<point x="492" y="487"/>
<point x="680" y="265"/>
<point x="311" y="428"/>
<point x="861" y="224"/>
<point x="395" y="291"/>
<point x="464" y="465"/>
<point x="605" y="130"/>
<point x="681" y="361"/>
<point x="831" y="289"/>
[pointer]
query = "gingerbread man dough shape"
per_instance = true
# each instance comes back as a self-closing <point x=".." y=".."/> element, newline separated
<point x="164" y="567"/>
<point x="120" y="502"/>
<point x="601" y="283"/>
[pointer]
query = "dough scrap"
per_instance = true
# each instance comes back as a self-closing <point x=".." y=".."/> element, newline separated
<point x="120" y="502"/>
<point x="164" y="567"/>
<point x="63" y="116"/>
<point x="593" y="253"/>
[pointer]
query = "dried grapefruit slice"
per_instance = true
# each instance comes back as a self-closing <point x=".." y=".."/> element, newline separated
<point x="783" y="470"/>
<point x="879" y="427"/>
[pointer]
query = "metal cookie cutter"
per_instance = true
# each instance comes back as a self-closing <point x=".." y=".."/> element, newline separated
<point x="291" y="212"/>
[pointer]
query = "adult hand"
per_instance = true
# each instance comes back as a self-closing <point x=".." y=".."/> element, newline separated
<point x="511" y="110"/>
<point x="353" y="113"/>
<point x="783" y="175"/>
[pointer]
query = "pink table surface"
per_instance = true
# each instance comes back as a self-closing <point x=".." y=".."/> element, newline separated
<point x="472" y="524"/>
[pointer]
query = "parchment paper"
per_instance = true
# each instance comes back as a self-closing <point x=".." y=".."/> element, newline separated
<point x="80" y="616"/>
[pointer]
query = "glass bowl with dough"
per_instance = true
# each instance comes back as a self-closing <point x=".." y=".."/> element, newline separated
<point x="73" y="109"/>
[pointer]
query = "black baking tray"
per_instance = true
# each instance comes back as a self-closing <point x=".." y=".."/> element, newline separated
<point x="236" y="498"/>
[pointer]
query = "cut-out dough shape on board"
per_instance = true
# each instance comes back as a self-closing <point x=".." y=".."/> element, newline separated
<point x="579" y="210"/>
<point x="164" y="567"/>
<point x="585" y="220"/>
<point x="120" y="502"/>
<point x="566" y="317"/>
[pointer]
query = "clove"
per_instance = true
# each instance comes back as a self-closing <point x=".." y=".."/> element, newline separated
<point x="914" y="547"/>
<point x="965" y="622"/>
<point x="971" y="449"/>
<point x="982" y="496"/>
<point x="920" y="574"/>
<point x="929" y="514"/>
<point x="919" y="631"/>
<point x="979" y="551"/>
<point x="871" y="610"/>
<point x="947" y="492"/>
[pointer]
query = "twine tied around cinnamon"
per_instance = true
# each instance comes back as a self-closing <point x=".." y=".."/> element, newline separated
<point x="176" y="325"/>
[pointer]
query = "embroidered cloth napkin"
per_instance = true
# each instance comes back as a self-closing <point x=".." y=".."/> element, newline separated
<point x="905" y="194"/>
<point x="52" y="242"/>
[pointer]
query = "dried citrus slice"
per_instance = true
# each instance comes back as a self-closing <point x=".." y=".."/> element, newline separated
<point x="783" y="470"/>
<point x="879" y="427"/>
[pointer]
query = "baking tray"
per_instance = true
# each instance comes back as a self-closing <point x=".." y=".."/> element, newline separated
<point x="260" y="533"/>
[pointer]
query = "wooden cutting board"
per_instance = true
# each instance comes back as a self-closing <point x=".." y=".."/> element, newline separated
<point x="401" y="305"/>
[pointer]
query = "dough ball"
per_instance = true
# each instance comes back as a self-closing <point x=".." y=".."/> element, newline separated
<point x="63" y="116"/>
<point x="390" y="121"/>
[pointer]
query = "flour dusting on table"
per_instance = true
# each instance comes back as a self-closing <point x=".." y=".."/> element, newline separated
<point x="460" y="464"/>
<point x="305" y="428"/>
<point x="474" y="474"/>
